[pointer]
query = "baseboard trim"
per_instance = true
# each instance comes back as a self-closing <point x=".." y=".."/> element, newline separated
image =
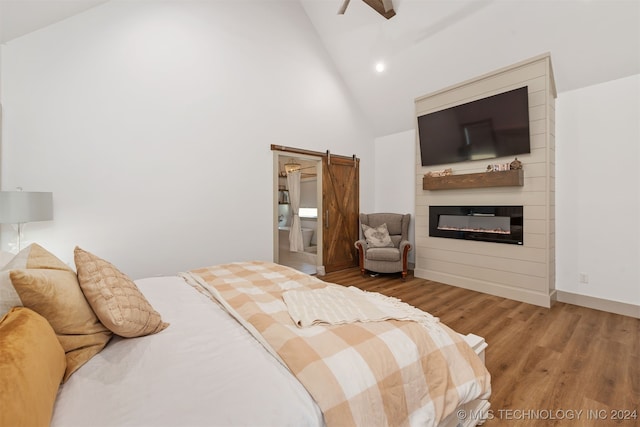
<point x="531" y="297"/>
<point x="524" y="295"/>
<point x="601" y="304"/>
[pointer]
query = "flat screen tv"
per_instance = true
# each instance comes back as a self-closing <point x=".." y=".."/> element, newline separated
<point x="491" y="127"/>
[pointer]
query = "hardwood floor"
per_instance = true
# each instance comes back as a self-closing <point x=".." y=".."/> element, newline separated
<point x="564" y="366"/>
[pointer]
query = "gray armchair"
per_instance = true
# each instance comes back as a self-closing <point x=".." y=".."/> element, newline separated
<point x="391" y="258"/>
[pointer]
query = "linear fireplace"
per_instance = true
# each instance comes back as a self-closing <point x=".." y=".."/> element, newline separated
<point x="500" y="224"/>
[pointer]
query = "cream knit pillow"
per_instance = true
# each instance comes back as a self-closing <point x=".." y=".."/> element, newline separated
<point x="377" y="237"/>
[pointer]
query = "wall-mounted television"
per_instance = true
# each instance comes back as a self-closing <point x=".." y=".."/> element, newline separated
<point x="487" y="128"/>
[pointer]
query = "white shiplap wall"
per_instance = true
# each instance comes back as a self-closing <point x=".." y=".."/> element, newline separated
<point x="525" y="273"/>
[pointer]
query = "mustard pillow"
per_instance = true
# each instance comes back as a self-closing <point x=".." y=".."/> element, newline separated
<point x="32" y="363"/>
<point x="49" y="287"/>
<point x="114" y="297"/>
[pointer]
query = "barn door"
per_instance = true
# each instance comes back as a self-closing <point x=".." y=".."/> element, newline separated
<point x="340" y="204"/>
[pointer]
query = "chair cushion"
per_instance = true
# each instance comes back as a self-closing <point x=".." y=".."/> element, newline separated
<point x="377" y="237"/>
<point x="383" y="254"/>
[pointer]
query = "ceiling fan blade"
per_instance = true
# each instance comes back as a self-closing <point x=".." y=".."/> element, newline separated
<point x="381" y="6"/>
<point x="343" y="8"/>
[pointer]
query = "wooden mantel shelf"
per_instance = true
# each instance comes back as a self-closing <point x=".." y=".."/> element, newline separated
<point x="510" y="178"/>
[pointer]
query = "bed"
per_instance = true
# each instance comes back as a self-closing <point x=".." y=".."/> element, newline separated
<point x="207" y="365"/>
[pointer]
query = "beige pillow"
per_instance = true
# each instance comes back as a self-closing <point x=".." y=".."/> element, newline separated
<point x="30" y="257"/>
<point x="115" y="298"/>
<point x="32" y="363"/>
<point x="377" y="237"/>
<point x="45" y="284"/>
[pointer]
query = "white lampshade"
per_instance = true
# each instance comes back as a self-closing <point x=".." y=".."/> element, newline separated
<point x="18" y="207"/>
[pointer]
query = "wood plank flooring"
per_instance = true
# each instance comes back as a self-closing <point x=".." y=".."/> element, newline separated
<point x="564" y="366"/>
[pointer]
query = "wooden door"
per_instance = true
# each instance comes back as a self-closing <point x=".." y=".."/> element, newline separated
<point x="341" y="205"/>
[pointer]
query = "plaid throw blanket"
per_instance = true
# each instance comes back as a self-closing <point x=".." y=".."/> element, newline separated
<point x="387" y="373"/>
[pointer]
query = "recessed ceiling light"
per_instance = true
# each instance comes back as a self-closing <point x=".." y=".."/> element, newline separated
<point x="380" y="67"/>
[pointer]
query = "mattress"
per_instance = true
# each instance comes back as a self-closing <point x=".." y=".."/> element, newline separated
<point x="203" y="370"/>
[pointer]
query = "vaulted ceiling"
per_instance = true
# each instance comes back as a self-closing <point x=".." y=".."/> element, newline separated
<point x="432" y="44"/>
<point x="19" y="17"/>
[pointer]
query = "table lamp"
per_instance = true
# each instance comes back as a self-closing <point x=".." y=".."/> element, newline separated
<point x="20" y="207"/>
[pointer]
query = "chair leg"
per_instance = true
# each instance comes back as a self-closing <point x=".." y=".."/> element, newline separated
<point x="360" y="257"/>
<point x="405" y="259"/>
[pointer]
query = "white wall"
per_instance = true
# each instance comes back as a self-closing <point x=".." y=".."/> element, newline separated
<point x="394" y="177"/>
<point x="1" y="113"/>
<point x="151" y="123"/>
<point x="598" y="190"/>
<point x="309" y="193"/>
<point x="309" y="199"/>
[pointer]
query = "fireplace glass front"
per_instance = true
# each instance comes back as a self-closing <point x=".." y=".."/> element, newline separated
<point x="500" y="224"/>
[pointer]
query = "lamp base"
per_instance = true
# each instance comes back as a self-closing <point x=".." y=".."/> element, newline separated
<point x="16" y="246"/>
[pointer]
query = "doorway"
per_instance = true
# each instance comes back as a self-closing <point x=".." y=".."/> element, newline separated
<point x="334" y="215"/>
<point x="308" y="260"/>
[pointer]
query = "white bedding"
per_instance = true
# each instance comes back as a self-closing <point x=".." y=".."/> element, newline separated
<point x="150" y="381"/>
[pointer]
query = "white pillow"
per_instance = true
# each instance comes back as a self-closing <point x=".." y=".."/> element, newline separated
<point x="5" y="257"/>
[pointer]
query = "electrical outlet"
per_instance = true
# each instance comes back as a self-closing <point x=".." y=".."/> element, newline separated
<point x="584" y="278"/>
